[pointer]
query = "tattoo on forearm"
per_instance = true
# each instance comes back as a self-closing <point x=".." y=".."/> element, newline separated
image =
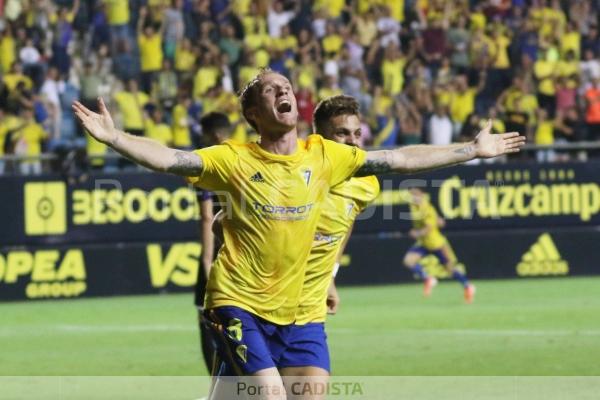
<point x="374" y="167"/>
<point x="186" y="163"/>
<point x="467" y="150"/>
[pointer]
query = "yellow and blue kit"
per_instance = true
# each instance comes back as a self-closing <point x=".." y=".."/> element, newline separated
<point x="340" y="209"/>
<point x="306" y="343"/>
<point x="272" y="204"/>
<point x="434" y="242"/>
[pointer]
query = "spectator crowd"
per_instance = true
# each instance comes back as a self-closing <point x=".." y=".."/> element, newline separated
<point x="423" y="71"/>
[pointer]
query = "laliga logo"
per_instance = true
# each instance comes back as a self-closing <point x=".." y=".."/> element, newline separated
<point x="45" y="208"/>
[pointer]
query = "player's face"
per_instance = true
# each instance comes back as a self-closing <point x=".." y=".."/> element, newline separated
<point x="344" y="129"/>
<point x="276" y="109"/>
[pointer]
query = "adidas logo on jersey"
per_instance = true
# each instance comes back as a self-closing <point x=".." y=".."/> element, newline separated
<point x="257" y="177"/>
<point x="542" y="259"/>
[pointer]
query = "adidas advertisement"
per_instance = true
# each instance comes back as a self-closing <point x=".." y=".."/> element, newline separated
<point x="543" y="258"/>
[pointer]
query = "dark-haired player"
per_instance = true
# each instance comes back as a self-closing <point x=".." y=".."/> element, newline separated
<point x="338" y="119"/>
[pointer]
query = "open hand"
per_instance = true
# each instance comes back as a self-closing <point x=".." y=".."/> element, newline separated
<point x="100" y="126"/>
<point x="489" y="145"/>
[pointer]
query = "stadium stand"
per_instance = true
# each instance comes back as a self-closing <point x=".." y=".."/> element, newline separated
<point x="413" y="65"/>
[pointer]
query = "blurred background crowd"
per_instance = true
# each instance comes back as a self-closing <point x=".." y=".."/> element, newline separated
<point x="424" y="71"/>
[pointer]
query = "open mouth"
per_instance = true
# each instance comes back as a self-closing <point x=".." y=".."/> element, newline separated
<point x="284" y="106"/>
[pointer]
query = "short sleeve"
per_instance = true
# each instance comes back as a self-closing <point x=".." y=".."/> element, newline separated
<point x="345" y="160"/>
<point x="217" y="166"/>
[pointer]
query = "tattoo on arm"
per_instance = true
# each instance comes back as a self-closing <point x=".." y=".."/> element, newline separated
<point x="186" y="163"/>
<point x="464" y="150"/>
<point x="374" y="167"/>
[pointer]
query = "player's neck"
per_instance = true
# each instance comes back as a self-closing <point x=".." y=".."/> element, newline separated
<point x="282" y="144"/>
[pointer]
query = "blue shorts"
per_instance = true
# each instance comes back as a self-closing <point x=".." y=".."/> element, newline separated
<point x="444" y="255"/>
<point x="247" y="343"/>
<point x="306" y="347"/>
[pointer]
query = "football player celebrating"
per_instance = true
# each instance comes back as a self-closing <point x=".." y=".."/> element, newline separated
<point x="275" y="189"/>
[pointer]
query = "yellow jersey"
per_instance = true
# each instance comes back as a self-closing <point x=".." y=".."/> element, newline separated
<point x="7" y="124"/>
<point x="570" y="41"/>
<point x="544" y="134"/>
<point x="285" y="43"/>
<point x="392" y="72"/>
<point x="255" y="41"/>
<point x="502" y="60"/>
<point x="545" y="71"/>
<point x="206" y="77"/>
<point x="151" y="54"/>
<point x="396" y="8"/>
<point x="425" y="215"/>
<point x="262" y="58"/>
<point x="332" y="44"/>
<point x="333" y="8"/>
<point x="131" y="106"/>
<point x="161" y="132"/>
<point x="462" y="104"/>
<point x="30" y="136"/>
<point x="326" y="92"/>
<point x="8" y="53"/>
<point x="184" y="59"/>
<point x="340" y="209"/>
<point x="94" y="148"/>
<point x="246" y="74"/>
<point x="12" y="81"/>
<point x="272" y="208"/>
<point x="478" y="20"/>
<point x="117" y="12"/>
<point x="241" y="7"/>
<point x="181" y="132"/>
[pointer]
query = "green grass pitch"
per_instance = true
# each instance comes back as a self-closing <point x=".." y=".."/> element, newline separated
<point x="518" y="327"/>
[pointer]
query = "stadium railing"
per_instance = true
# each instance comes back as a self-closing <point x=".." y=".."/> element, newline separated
<point x="580" y="148"/>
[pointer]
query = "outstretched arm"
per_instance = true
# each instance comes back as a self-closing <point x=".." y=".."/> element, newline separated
<point x="143" y="151"/>
<point x="419" y="158"/>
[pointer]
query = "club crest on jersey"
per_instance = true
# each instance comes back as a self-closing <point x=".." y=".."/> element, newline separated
<point x="307" y="173"/>
<point x="257" y="177"/>
<point x="349" y="208"/>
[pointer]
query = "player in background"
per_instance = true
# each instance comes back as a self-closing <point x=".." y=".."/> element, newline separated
<point x="336" y="118"/>
<point x="429" y="240"/>
<point x="275" y="189"/>
<point x="216" y="128"/>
